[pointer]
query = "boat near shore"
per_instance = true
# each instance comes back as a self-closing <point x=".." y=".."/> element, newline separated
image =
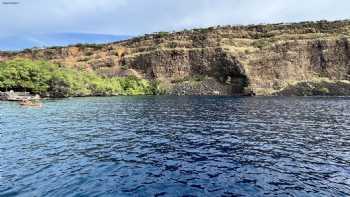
<point x="29" y="103"/>
<point x="18" y="96"/>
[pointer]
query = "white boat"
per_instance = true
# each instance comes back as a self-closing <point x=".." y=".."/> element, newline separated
<point x="18" y="96"/>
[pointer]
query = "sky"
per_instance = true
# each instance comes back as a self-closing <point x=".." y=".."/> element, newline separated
<point x="137" y="17"/>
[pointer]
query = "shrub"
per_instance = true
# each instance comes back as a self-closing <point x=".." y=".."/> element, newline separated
<point x="49" y="79"/>
<point x="162" y="34"/>
<point x="261" y="43"/>
<point x="321" y="91"/>
<point x="25" y="75"/>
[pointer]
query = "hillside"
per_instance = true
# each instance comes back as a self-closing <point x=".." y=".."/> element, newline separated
<point x="309" y="58"/>
<point x="20" y="42"/>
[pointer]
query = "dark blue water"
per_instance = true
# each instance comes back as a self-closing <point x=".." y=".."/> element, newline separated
<point x="176" y="146"/>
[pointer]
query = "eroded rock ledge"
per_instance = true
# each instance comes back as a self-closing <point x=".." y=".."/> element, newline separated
<point x="238" y="60"/>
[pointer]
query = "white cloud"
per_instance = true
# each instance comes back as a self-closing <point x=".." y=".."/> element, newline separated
<point x="141" y="16"/>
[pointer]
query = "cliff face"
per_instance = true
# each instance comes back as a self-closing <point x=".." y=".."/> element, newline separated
<point x="261" y="59"/>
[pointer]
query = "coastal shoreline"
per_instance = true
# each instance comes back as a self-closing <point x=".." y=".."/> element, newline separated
<point x="302" y="59"/>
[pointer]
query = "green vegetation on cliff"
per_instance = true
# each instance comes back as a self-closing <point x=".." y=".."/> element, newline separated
<point x="48" y="79"/>
<point x="283" y="59"/>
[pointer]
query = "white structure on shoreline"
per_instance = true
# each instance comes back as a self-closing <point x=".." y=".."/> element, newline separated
<point x="17" y="96"/>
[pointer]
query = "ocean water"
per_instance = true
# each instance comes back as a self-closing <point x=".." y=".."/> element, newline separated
<point x="176" y="146"/>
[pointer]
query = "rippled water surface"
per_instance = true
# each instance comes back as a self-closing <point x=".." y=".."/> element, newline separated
<point x="176" y="146"/>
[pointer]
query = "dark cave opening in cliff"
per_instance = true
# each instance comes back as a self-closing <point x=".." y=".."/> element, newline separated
<point x="238" y="82"/>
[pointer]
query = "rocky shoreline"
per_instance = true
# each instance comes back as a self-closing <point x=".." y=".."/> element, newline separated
<point x="272" y="59"/>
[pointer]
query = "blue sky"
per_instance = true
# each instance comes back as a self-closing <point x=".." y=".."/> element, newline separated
<point x="135" y="17"/>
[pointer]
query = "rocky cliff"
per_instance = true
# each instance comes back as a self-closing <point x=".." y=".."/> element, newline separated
<point x="256" y="59"/>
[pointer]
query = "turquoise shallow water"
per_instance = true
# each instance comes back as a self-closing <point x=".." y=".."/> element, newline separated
<point x="176" y="146"/>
